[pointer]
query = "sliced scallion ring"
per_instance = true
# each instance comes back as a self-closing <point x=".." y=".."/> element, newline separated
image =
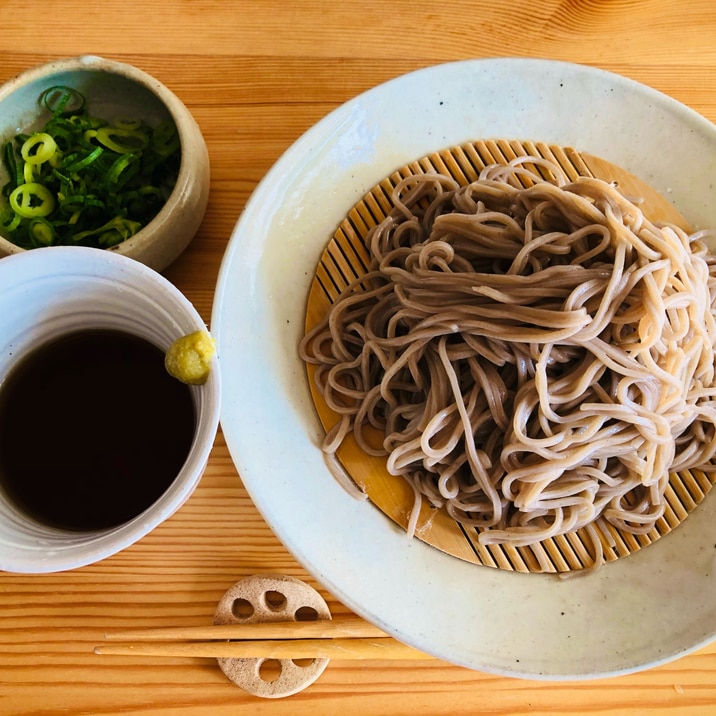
<point x="41" y="231"/>
<point x="122" y="141"/>
<point x="128" y="124"/>
<point x="32" y="200"/>
<point x="123" y="169"/>
<point x="38" y="148"/>
<point x="61" y="99"/>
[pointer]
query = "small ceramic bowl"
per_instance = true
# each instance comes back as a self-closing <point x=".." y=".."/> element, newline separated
<point x="47" y="294"/>
<point x="115" y="90"/>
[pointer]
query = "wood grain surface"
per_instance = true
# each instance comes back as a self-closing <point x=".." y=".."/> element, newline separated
<point x="256" y="75"/>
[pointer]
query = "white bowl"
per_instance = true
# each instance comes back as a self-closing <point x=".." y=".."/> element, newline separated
<point x="638" y="611"/>
<point x="44" y="294"/>
<point x="115" y="90"/>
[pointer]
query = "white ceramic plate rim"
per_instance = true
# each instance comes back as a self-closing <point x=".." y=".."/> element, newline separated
<point x="638" y="612"/>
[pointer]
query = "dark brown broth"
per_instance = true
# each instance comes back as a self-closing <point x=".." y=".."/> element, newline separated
<point x="93" y="430"/>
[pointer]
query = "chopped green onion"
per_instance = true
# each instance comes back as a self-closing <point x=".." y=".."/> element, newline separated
<point x="9" y="220"/>
<point x="80" y="162"/>
<point x="38" y="148"/>
<point x="70" y="205"/>
<point x="14" y="170"/>
<point x="41" y="232"/>
<point x="122" y="171"/>
<point x="122" y="141"/>
<point x="84" y="180"/>
<point x="31" y="200"/>
<point x="63" y="100"/>
<point x="130" y="124"/>
<point x="112" y="233"/>
<point x="29" y="173"/>
<point x="165" y="134"/>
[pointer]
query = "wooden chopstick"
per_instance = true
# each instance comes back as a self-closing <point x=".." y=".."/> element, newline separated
<point x="346" y="627"/>
<point x="341" y="638"/>
<point x="333" y="648"/>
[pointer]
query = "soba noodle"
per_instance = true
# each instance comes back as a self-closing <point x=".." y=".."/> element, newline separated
<point x="534" y="358"/>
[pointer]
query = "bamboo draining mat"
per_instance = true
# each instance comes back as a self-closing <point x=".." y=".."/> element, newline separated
<point x="346" y="258"/>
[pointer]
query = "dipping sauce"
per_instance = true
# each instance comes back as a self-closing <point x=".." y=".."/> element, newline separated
<point x="93" y="430"/>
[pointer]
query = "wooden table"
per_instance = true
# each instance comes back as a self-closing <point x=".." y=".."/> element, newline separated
<point x="256" y="75"/>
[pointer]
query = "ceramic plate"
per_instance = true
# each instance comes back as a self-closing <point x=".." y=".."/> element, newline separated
<point x="639" y="611"/>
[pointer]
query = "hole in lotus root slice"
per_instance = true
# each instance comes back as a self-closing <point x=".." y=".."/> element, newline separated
<point x="264" y="599"/>
<point x="242" y="609"/>
<point x="275" y="601"/>
<point x="270" y="670"/>
<point x="306" y="614"/>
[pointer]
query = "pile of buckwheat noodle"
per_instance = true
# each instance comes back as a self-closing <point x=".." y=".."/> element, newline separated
<point x="536" y="360"/>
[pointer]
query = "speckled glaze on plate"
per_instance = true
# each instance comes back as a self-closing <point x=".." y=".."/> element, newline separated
<point x="637" y="612"/>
